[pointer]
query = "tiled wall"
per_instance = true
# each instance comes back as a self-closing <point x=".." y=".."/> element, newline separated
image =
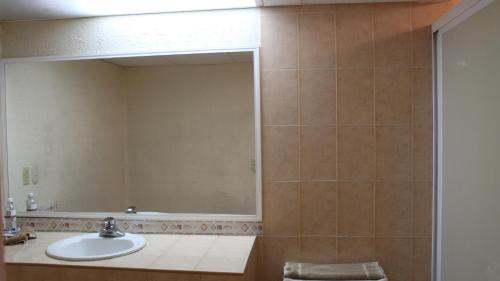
<point x="347" y="136"/>
<point x="26" y="272"/>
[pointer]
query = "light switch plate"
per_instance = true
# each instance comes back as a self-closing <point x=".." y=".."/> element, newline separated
<point x="26" y="176"/>
<point x="35" y="174"/>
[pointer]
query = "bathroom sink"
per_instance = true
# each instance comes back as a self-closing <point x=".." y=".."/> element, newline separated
<point x="89" y="247"/>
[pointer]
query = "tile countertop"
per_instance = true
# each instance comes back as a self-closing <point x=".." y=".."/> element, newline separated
<point x="192" y="253"/>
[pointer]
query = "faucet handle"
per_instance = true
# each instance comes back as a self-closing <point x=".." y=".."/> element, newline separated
<point x="131" y="210"/>
<point x="109" y="223"/>
<point x="109" y="229"/>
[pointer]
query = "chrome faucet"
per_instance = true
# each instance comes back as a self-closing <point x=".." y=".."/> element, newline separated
<point x="109" y="229"/>
<point x="131" y="210"/>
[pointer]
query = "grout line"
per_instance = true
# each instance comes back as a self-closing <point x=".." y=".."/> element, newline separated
<point x="206" y="252"/>
<point x="351" y="181"/>
<point x="336" y="137"/>
<point x="374" y="185"/>
<point x="345" y="68"/>
<point x="167" y="249"/>
<point x="344" y="125"/>
<point x="299" y="131"/>
<point x="412" y="133"/>
<point x="306" y="235"/>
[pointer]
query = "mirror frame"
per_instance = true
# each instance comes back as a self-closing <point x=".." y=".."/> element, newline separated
<point x="4" y="182"/>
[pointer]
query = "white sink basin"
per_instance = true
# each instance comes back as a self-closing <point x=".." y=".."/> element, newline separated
<point x="89" y="247"/>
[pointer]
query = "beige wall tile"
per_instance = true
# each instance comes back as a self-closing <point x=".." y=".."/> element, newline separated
<point x="318" y="153"/>
<point x="395" y="257"/>
<point x="122" y="275"/>
<point x="422" y="47"/>
<point x="384" y="78"/>
<point x="74" y="274"/>
<point x="29" y="272"/>
<point x="356" y="208"/>
<point x="356" y="249"/>
<point x="317" y="97"/>
<point x="393" y="152"/>
<point x="12" y="272"/>
<point x="280" y="41"/>
<point x="393" y="101"/>
<point x="422" y="96"/>
<point x="422" y="259"/>
<point x="355" y="96"/>
<point x="252" y="263"/>
<point x="167" y="276"/>
<point x="316" y="40"/>
<point x="318" y="208"/>
<point x="354" y="36"/>
<point x="55" y="273"/>
<point x="393" y="202"/>
<point x="280" y="153"/>
<point x="354" y="8"/>
<point x="392" y="32"/>
<point x="356" y="159"/>
<point x="259" y="253"/>
<point x="279" y="10"/>
<point x="276" y="251"/>
<point x="317" y="9"/>
<point x="280" y="97"/>
<point x="422" y="152"/>
<point x="205" y="277"/>
<point x="215" y="264"/>
<point x="59" y="273"/>
<point x="425" y="14"/>
<point x="318" y="249"/>
<point x="281" y="208"/>
<point x="422" y="209"/>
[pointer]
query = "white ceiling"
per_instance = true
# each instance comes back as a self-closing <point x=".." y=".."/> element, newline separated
<point x="11" y="10"/>
<point x="215" y="58"/>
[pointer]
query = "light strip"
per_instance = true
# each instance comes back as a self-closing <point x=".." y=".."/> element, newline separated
<point x="123" y="7"/>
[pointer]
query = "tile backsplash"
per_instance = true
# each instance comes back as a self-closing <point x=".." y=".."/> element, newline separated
<point x="145" y="226"/>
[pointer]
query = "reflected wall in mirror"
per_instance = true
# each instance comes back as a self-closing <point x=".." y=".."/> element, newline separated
<point x="168" y="134"/>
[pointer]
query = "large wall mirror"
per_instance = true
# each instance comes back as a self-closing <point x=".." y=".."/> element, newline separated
<point x="172" y="134"/>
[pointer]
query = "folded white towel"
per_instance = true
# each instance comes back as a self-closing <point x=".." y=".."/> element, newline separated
<point x="346" y="272"/>
<point x="288" y="279"/>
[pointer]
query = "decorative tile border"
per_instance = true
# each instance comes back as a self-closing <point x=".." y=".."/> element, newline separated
<point x="145" y="226"/>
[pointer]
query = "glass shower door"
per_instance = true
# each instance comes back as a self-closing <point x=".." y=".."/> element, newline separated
<point x="468" y="146"/>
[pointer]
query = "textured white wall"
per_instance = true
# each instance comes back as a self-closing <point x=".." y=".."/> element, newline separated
<point x="132" y="34"/>
<point x="72" y="129"/>
<point x="191" y="138"/>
